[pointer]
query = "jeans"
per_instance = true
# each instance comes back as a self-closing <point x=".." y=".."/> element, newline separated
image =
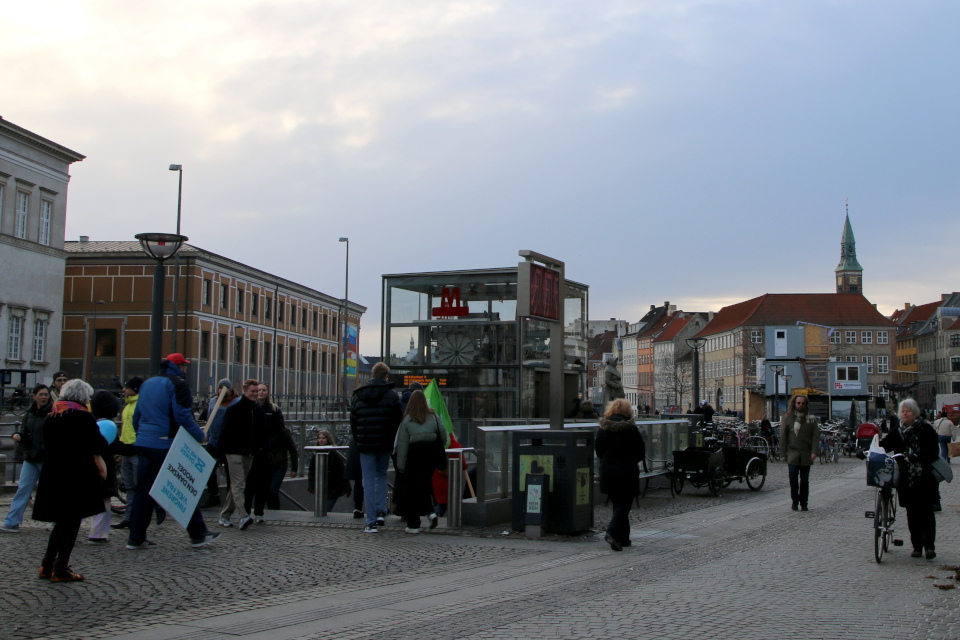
<point x="258" y="485"/>
<point x="374" y="467"/>
<point x="944" y="452"/>
<point x="273" y="493"/>
<point x="128" y="469"/>
<point x="149" y="464"/>
<point x="29" y="474"/>
<point x="799" y="483"/>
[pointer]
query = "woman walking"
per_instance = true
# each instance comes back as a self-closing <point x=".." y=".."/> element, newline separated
<point x="29" y="448"/>
<point x="71" y="477"/>
<point x="945" y="429"/>
<point x="420" y="442"/>
<point x="620" y="449"/>
<point x="282" y="450"/>
<point x="918" y="490"/>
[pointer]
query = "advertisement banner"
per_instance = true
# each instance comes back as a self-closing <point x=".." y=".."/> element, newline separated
<point x="180" y="482"/>
<point x="351" y="350"/>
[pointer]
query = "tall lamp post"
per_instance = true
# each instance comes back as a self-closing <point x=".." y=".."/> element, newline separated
<point x="695" y="343"/>
<point x="343" y="332"/>
<point x="176" y="268"/>
<point x="159" y="246"/>
<point x="93" y="352"/>
<point x="777" y="370"/>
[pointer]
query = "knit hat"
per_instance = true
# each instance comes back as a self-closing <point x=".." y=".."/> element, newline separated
<point x="225" y="383"/>
<point x="104" y="404"/>
<point x="134" y="384"/>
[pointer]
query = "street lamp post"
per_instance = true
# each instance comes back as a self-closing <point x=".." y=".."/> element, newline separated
<point x="159" y="246"/>
<point x="695" y="343"/>
<point x="343" y="332"/>
<point x="93" y="352"/>
<point x="176" y="262"/>
<point x="777" y="370"/>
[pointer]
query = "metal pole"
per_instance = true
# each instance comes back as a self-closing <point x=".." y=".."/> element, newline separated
<point x="454" y="493"/>
<point x="320" y="484"/>
<point x="696" y="375"/>
<point x="156" y="319"/>
<point x="176" y="273"/>
<point x="343" y="334"/>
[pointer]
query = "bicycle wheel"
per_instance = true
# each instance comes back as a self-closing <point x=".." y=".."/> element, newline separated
<point x="834" y="453"/>
<point x="889" y="515"/>
<point x="823" y="453"/>
<point x="716" y="482"/>
<point x="677" y="480"/>
<point x="756" y="474"/>
<point x="878" y="546"/>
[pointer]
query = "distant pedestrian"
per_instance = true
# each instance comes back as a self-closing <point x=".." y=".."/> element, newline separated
<point x="587" y="411"/>
<point x="706" y="412"/>
<point x="352" y="474"/>
<point x="282" y="453"/>
<point x="620" y="449"/>
<point x="165" y="404"/>
<point x="127" y="450"/>
<point x="336" y="484"/>
<point x="405" y="397"/>
<point x="421" y="439"/>
<point x="59" y="379"/>
<point x="71" y="478"/>
<point x="799" y="442"/>
<point x="214" y="425"/>
<point x="104" y="406"/>
<point x="945" y="432"/>
<point x="244" y="433"/>
<point x="374" y="419"/>
<point x="918" y="489"/>
<point x="29" y="449"/>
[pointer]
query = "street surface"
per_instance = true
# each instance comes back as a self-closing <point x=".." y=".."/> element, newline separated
<point x="742" y="566"/>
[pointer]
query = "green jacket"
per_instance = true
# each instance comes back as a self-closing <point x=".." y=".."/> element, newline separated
<point x="412" y="432"/>
<point x="797" y="448"/>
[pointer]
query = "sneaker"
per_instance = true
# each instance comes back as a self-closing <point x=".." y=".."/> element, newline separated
<point x="916" y="553"/>
<point x="10" y="528"/>
<point x="412" y="530"/>
<point x="205" y="540"/>
<point x="97" y="540"/>
<point x="245" y="523"/>
<point x="381" y="521"/>
<point x="225" y="522"/>
<point x="434" y="521"/>
<point x="137" y="546"/>
<point x="357" y="514"/>
<point x="123" y="524"/>
<point x="609" y="539"/>
<point x="370" y="528"/>
<point x="260" y="519"/>
<point x="65" y="575"/>
<point x="931" y="554"/>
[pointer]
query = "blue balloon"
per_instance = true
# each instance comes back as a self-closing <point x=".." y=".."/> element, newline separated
<point x="108" y="429"/>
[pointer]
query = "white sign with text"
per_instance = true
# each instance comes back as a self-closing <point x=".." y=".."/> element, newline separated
<point x="183" y="477"/>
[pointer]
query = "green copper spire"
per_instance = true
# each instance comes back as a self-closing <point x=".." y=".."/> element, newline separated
<point x="848" y="250"/>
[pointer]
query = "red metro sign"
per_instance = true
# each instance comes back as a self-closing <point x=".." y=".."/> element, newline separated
<point x="450" y="305"/>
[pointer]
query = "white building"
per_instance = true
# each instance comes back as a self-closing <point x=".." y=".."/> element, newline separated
<point x="34" y="174"/>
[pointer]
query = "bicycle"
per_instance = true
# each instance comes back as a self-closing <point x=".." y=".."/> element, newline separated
<point x="884" y="515"/>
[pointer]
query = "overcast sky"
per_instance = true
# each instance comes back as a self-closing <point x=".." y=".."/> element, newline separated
<point x="699" y="152"/>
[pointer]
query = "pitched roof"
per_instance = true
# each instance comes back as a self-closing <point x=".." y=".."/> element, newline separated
<point x="955" y="326"/>
<point x="828" y="309"/>
<point x="919" y="312"/>
<point x="659" y="325"/>
<point x="674" y="328"/>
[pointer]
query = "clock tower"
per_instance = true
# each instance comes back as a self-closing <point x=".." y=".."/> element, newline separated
<point x="849" y="273"/>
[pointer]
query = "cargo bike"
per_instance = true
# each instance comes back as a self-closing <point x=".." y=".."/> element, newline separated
<point x="715" y="467"/>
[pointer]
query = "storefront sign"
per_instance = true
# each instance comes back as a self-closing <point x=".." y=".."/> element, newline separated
<point x="450" y="305"/>
<point x="847" y="386"/>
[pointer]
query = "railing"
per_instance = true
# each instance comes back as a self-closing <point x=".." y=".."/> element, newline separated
<point x="298" y="406"/>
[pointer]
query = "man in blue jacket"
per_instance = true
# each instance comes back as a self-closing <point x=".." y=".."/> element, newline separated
<point x="164" y="406"/>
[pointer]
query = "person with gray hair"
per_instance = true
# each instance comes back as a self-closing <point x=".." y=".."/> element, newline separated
<point x="918" y="490"/>
<point x="71" y="479"/>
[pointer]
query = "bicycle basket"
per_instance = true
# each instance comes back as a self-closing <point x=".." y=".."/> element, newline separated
<point x="882" y="470"/>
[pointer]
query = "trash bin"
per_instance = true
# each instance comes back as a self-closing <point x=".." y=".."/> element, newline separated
<point x="567" y="457"/>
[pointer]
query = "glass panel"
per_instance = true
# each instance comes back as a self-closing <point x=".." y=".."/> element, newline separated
<point x="472" y="344"/>
<point x="408" y="306"/>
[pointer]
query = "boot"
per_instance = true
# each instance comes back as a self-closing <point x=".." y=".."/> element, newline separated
<point x="46" y="568"/>
<point x="63" y="573"/>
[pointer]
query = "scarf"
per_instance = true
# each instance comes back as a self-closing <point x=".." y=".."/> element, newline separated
<point x="911" y="441"/>
<point x="62" y="406"/>
<point x="798" y="420"/>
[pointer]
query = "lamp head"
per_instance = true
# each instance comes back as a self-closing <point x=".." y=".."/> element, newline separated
<point x="344" y="239"/>
<point x="176" y="167"/>
<point x="161" y="246"/>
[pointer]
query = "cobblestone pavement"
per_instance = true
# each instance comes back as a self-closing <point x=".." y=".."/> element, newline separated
<point x="741" y="566"/>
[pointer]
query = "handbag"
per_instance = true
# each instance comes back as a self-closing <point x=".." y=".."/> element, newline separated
<point x="941" y="470"/>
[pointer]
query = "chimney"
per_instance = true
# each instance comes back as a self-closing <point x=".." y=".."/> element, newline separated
<point x="84" y="238"/>
<point x="652" y="307"/>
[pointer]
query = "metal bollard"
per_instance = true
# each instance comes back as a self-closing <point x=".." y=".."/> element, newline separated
<point x="302" y="429"/>
<point x="455" y="492"/>
<point x="320" y="484"/>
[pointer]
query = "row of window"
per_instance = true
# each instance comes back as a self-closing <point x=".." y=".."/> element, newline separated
<point x="326" y="361"/>
<point x="22" y="216"/>
<point x="16" y="332"/>
<point x="866" y="337"/>
<point x="319" y="321"/>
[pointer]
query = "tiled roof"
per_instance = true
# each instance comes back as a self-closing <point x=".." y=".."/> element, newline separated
<point x="920" y="312"/>
<point x="659" y="325"/>
<point x="111" y="246"/>
<point x="955" y="326"/>
<point x="674" y="328"/>
<point x="828" y="309"/>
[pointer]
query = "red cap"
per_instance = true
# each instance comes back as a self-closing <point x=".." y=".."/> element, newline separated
<point x="177" y="359"/>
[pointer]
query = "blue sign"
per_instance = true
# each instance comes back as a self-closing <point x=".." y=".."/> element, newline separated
<point x="180" y="482"/>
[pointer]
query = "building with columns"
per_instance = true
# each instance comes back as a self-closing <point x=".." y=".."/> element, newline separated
<point x="34" y="174"/>
<point x="234" y="321"/>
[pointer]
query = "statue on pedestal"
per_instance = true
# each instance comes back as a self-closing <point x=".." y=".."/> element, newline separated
<point x="612" y="386"/>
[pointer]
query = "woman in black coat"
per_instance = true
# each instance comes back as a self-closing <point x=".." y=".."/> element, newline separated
<point x="918" y="490"/>
<point x="621" y="450"/>
<point x="71" y="478"/>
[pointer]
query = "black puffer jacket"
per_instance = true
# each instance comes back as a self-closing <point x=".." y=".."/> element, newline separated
<point x="620" y="448"/>
<point x="244" y="431"/>
<point x="30" y="447"/>
<point x="375" y="416"/>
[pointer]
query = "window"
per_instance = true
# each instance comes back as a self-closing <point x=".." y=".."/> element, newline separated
<point x="280" y="306"/>
<point x="46" y="214"/>
<point x="223" y="295"/>
<point x="20" y="224"/>
<point x="267" y="351"/>
<point x="240" y="293"/>
<point x="866" y="337"/>
<point x="253" y="352"/>
<point x="850" y="358"/>
<point x="39" y="338"/>
<point x="316" y="316"/>
<point x="868" y="360"/>
<point x="293" y="358"/>
<point x="882" y="337"/>
<point x="279" y="357"/>
<point x="882" y="364"/>
<point x="303" y="318"/>
<point x="848" y="374"/>
<point x="15" y="338"/>
<point x="851" y="337"/>
<point x="205" y="343"/>
<point x="756" y="337"/>
<point x="266" y="308"/>
<point x="254" y="299"/>
<point x="313" y="361"/>
<point x="870" y="389"/>
<point x="303" y="358"/>
<point x="882" y="391"/>
<point x="955" y="386"/>
<point x="323" y="325"/>
<point x="238" y="349"/>
<point x="835" y="337"/>
<point x="105" y="343"/>
<point x="222" y="347"/>
<point x="205" y="292"/>
<point x="955" y="340"/>
<point x="954" y="363"/>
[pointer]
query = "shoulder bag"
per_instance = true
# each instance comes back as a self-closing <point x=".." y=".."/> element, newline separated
<point x="941" y="470"/>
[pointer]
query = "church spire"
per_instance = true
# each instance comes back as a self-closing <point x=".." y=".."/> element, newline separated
<point x="849" y="272"/>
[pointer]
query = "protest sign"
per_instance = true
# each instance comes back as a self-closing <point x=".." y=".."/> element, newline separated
<point x="180" y="482"/>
